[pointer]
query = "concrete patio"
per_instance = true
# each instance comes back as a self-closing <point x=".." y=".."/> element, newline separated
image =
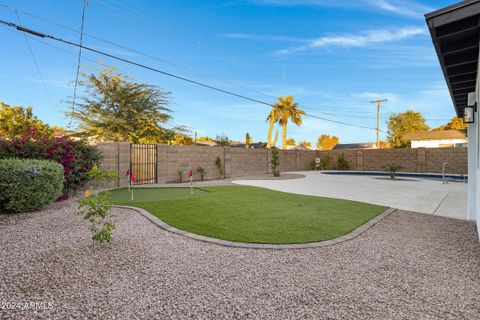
<point x="412" y="194"/>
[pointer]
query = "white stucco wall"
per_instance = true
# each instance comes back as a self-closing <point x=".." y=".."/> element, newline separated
<point x="472" y="170"/>
<point x="474" y="158"/>
<point x="435" y="143"/>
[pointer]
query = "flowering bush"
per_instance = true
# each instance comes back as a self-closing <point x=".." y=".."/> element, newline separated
<point x="76" y="157"/>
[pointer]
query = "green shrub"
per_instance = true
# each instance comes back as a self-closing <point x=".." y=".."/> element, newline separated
<point x="342" y="163"/>
<point x="29" y="185"/>
<point x="76" y="156"/>
<point x="392" y="168"/>
<point x="201" y="171"/>
<point x="218" y="164"/>
<point x="325" y="162"/>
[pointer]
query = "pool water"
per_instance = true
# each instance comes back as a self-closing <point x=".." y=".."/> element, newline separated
<point x="430" y="176"/>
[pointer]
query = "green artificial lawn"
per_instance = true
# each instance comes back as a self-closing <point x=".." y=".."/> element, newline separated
<point x="251" y="214"/>
<point x="154" y="194"/>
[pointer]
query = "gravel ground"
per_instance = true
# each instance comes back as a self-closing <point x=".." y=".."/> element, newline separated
<point x="408" y="266"/>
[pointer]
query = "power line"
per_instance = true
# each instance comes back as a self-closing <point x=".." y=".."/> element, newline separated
<point x="8" y="8"/>
<point x="47" y="36"/>
<point x="78" y="64"/>
<point x="340" y="122"/>
<point x="42" y="35"/>
<point x="35" y="62"/>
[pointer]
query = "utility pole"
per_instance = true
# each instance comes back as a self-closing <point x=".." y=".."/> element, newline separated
<point x="379" y="105"/>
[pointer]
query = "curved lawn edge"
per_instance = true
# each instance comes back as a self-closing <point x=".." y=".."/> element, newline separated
<point x="349" y="236"/>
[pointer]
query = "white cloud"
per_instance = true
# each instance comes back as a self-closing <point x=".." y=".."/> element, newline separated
<point x="356" y="40"/>
<point x="406" y="8"/>
<point x="257" y="37"/>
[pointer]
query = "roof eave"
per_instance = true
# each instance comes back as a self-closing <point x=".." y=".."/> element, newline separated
<point x="445" y="16"/>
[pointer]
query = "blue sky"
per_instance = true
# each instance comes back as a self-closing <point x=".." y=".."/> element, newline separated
<point x="332" y="56"/>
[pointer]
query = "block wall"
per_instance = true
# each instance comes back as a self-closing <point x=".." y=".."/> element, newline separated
<point x="243" y="162"/>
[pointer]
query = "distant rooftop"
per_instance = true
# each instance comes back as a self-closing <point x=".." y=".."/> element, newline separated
<point x="354" y="146"/>
<point x="436" y="135"/>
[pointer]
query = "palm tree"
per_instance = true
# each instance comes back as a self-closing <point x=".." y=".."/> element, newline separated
<point x="289" y="111"/>
<point x="273" y="117"/>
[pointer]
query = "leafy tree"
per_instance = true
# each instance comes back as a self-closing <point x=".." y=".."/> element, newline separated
<point x="454" y="124"/>
<point x="117" y="108"/>
<point x="222" y="140"/>
<point x="57" y="131"/>
<point x="15" y="121"/>
<point x="273" y="118"/>
<point x="181" y="140"/>
<point x="291" y="142"/>
<point x="274" y="143"/>
<point x="327" y="142"/>
<point x="289" y="111"/>
<point x="205" y="139"/>
<point x="401" y="123"/>
<point x="305" y="143"/>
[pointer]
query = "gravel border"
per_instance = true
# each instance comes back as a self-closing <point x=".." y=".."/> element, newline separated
<point x="349" y="236"/>
<point x="409" y="266"/>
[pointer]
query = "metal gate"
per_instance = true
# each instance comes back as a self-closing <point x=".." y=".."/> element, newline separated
<point x="143" y="163"/>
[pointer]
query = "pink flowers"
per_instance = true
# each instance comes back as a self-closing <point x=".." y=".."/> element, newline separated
<point x="76" y="157"/>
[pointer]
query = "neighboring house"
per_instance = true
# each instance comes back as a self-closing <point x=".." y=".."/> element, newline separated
<point x="205" y="144"/>
<point x="302" y="147"/>
<point x="253" y="145"/>
<point x="355" y="146"/>
<point x="438" y="139"/>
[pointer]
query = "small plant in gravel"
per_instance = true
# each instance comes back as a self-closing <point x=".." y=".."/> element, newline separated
<point x="179" y="176"/>
<point x="275" y="162"/>
<point x="95" y="207"/>
<point x="201" y="172"/>
<point x="392" y="168"/>
<point x="218" y="164"/>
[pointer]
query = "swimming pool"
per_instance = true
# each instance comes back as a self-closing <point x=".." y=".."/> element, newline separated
<point x="430" y="176"/>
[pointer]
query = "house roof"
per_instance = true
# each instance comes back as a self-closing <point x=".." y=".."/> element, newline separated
<point x="253" y="145"/>
<point x="455" y="34"/>
<point x="299" y="148"/>
<point x="352" y="146"/>
<point x="436" y="135"/>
